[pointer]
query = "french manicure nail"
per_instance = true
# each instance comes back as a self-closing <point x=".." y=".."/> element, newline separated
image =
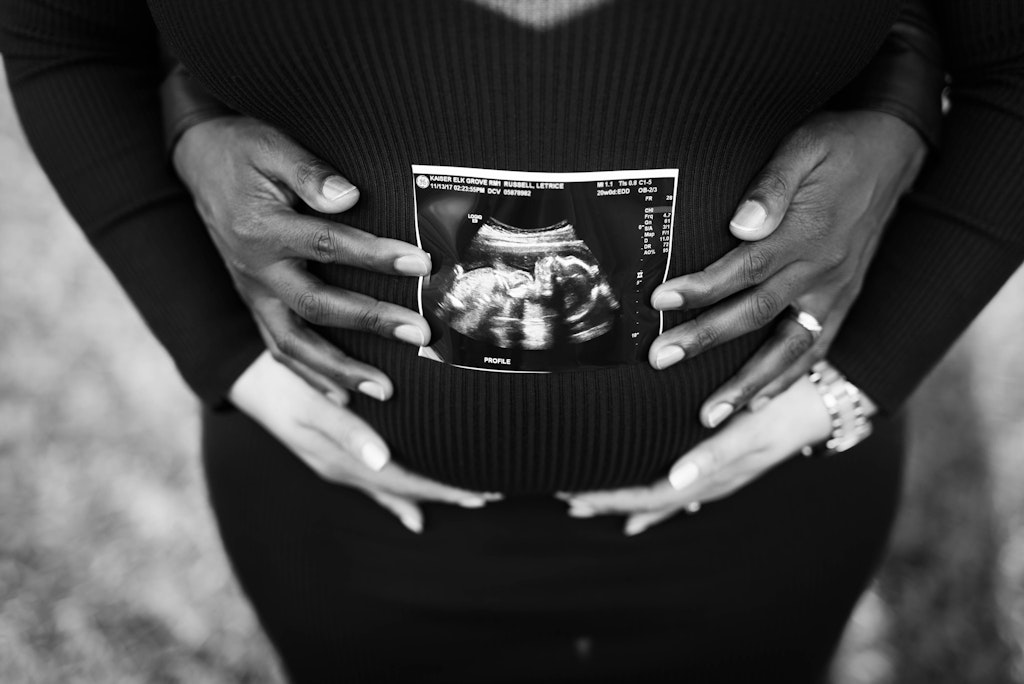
<point x="634" y="527"/>
<point x="472" y="502"/>
<point x="412" y="523"/>
<point x="412" y="264"/>
<point x="683" y="475"/>
<point x="758" y="403"/>
<point x="372" y="389"/>
<point x="373" y="456"/>
<point x="336" y="187"/>
<point x="411" y="334"/>
<point x="750" y="216"/>
<point x="718" y="413"/>
<point x="668" y="355"/>
<point x="667" y="300"/>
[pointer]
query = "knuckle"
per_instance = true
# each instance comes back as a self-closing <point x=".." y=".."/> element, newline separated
<point x="756" y="266"/>
<point x="311" y="172"/>
<point x="796" y="346"/>
<point x="288" y="346"/>
<point x="773" y="186"/>
<point x="764" y="307"/>
<point x="372" y="319"/>
<point x="707" y="336"/>
<point x="322" y="245"/>
<point x="310" y="306"/>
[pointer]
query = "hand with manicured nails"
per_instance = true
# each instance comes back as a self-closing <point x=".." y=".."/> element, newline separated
<point x="246" y="178"/>
<point x="336" y="443"/>
<point x="746" y="447"/>
<point x="810" y="223"/>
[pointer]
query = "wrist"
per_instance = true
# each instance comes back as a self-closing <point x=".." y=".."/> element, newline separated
<point x="185" y="103"/>
<point x="849" y="410"/>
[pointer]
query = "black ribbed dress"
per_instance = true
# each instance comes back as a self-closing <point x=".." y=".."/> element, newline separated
<point x="756" y="586"/>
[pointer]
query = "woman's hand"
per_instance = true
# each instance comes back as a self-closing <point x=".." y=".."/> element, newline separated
<point x="742" y="450"/>
<point x="336" y="443"/>
<point x="810" y="222"/>
<point x="246" y="177"/>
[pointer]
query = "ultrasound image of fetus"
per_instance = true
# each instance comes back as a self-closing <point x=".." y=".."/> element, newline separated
<point x="528" y="289"/>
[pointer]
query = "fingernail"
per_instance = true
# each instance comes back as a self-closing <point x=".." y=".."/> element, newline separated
<point x="758" y="403"/>
<point x="668" y="355"/>
<point x="718" y="413"/>
<point x="492" y="496"/>
<point x="634" y="527"/>
<point x="750" y="216"/>
<point x="581" y="510"/>
<point x="412" y="264"/>
<point x="411" y="334"/>
<point x="412" y="523"/>
<point x="336" y="187"/>
<point x="373" y="456"/>
<point x="336" y="398"/>
<point x="683" y="475"/>
<point x="667" y="300"/>
<point x="472" y="502"/>
<point x="372" y="389"/>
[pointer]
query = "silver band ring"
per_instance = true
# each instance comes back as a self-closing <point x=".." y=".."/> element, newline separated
<point x="806" y="321"/>
<point x="693" y="507"/>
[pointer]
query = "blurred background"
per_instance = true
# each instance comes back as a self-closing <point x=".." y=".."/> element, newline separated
<point x="110" y="565"/>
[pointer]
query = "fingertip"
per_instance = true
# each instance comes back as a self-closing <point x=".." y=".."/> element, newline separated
<point x="375" y="390"/>
<point x="412" y="521"/>
<point x="339" y="193"/>
<point x="413" y="264"/>
<point x="750" y="221"/>
<point x="634" y="526"/>
<point x="374" y="456"/>
<point x="667" y="299"/>
<point x="717" y="413"/>
<point x="683" y="474"/>
<point x="411" y="334"/>
<point x="668" y="355"/>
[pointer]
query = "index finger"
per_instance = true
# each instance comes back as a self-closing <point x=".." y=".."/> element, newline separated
<point x="328" y="242"/>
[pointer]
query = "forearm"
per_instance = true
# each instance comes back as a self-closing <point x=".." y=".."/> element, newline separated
<point x="958" y="237"/>
<point x="84" y="80"/>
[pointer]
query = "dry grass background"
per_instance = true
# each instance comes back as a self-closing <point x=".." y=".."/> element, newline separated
<point x="111" y="571"/>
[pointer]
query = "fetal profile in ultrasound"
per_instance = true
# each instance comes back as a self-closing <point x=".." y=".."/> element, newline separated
<point x="527" y="288"/>
<point x="541" y="272"/>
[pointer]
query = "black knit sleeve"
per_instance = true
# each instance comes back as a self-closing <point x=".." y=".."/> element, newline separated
<point x="85" y="77"/>
<point x="906" y="78"/>
<point x="960" y="235"/>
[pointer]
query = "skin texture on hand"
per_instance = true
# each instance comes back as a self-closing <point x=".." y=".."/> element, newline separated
<point x="810" y="223"/>
<point x="246" y="178"/>
<point x="745" y="448"/>
<point x="336" y="443"/>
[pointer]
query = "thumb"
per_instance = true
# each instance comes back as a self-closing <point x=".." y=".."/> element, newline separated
<point x="408" y="512"/>
<point x="314" y="181"/>
<point x="768" y="198"/>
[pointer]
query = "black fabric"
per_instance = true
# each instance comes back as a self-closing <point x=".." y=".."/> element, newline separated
<point x="905" y="78"/>
<point x="756" y="587"/>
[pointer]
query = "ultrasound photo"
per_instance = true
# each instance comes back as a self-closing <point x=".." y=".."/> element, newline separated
<point x="542" y="272"/>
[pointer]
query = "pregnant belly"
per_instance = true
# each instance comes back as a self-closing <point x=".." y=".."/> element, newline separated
<point x="540" y="433"/>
